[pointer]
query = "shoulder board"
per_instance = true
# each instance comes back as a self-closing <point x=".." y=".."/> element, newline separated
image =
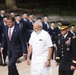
<point x="74" y="37"/>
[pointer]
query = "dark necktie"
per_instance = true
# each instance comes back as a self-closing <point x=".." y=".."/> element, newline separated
<point x="62" y="37"/>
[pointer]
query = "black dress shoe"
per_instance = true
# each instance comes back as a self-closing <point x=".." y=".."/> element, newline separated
<point x="4" y="64"/>
<point x="18" y="61"/>
<point x="0" y="63"/>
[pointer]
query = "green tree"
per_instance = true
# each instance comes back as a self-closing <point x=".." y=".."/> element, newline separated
<point x="11" y="4"/>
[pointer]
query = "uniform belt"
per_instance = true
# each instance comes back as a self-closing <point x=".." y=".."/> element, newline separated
<point x="30" y="30"/>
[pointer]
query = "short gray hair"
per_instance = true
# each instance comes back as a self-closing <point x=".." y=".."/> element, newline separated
<point x="39" y="23"/>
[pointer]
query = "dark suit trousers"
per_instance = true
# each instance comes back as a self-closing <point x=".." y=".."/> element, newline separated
<point x="12" y="70"/>
<point x="69" y="72"/>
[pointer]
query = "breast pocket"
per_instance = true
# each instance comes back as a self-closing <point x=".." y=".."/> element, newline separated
<point x="41" y="42"/>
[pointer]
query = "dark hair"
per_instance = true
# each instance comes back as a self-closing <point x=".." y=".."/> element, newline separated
<point x="11" y="18"/>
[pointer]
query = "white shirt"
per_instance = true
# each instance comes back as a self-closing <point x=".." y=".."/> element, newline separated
<point x="5" y="24"/>
<point x="52" y="28"/>
<point x="25" y="19"/>
<point x="59" y="27"/>
<point x="40" y="43"/>
<point x="65" y="35"/>
<point x="12" y="28"/>
<point x="72" y="32"/>
<point x="31" y="21"/>
<point x="17" y="21"/>
<point x="2" y="15"/>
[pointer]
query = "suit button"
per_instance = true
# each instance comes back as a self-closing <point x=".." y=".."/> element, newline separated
<point x="62" y="51"/>
<point x="62" y="45"/>
<point x="62" y="48"/>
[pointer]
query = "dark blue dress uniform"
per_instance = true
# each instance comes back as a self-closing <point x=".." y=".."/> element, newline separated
<point x="59" y="23"/>
<point x="1" y="19"/>
<point x="58" y="32"/>
<point x="1" y="33"/>
<point x="72" y="31"/>
<point x="25" y="27"/>
<point x="30" y="27"/>
<point x="5" y="47"/>
<point x="52" y="33"/>
<point x="66" y="54"/>
<point x="1" y="15"/>
<point x="45" y="26"/>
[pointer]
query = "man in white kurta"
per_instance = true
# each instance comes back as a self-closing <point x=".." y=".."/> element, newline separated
<point x="40" y="42"/>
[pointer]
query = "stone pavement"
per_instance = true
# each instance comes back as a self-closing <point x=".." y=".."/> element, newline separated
<point x="25" y="69"/>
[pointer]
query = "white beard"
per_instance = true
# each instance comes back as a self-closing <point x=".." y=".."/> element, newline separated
<point x="38" y="32"/>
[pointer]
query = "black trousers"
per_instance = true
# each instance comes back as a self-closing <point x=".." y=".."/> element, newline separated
<point x="69" y="72"/>
<point x="12" y="69"/>
<point x="4" y="58"/>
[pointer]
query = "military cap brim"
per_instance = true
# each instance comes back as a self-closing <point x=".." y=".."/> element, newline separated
<point x="65" y="25"/>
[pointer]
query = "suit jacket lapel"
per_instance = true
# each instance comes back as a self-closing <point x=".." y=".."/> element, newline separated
<point x="6" y="33"/>
<point x="14" y="31"/>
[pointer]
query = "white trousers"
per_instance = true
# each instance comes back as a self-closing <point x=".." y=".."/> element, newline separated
<point x="38" y="66"/>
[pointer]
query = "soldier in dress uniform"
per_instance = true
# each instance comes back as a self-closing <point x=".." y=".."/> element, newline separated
<point x="58" y="32"/>
<point x="12" y="13"/>
<point x="59" y="24"/>
<point x="3" y="24"/>
<point x="17" y="20"/>
<point x="39" y="19"/>
<point x="24" y="22"/>
<point x="52" y="32"/>
<point x="66" y="52"/>
<point x="30" y="26"/>
<point x="45" y="23"/>
<point x="2" y="12"/>
<point x="72" y="30"/>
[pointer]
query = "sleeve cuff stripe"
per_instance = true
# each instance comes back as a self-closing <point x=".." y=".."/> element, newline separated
<point x="74" y="61"/>
<point x="57" y="57"/>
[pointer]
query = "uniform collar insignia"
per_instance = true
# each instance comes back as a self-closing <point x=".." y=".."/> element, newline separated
<point x="74" y="37"/>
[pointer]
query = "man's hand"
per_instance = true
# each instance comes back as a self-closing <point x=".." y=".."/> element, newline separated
<point x="57" y="63"/>
<point x="28" y="61"/>
<point x="47" y="63"/>
<point x="25" y="56"/>
<point x="73" y="67"/>
<point x="1" y="49"/>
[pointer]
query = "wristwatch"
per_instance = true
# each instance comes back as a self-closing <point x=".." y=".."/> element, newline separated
<point x="48" y="59"/>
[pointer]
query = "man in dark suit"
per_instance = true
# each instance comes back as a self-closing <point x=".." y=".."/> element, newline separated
<point x="16" y="44"/>
<point x="66" y="52"/>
